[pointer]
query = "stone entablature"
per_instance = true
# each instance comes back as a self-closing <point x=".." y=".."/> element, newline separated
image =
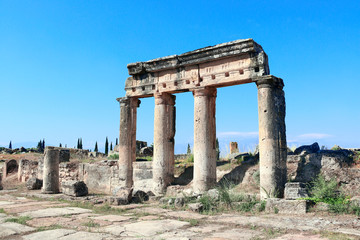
<point x="226" y="64"/>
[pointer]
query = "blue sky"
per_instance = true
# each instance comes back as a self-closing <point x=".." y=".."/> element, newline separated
<point x="63" y="64"/>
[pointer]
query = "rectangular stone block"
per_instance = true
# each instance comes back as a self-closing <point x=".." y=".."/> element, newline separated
<point x="282" y="206"/>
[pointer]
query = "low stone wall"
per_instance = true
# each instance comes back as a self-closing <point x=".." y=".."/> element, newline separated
<point x="27" y="169"/>
<point x="143" y="175"/>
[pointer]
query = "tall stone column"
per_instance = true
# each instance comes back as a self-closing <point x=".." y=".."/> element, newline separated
<point x="164" y="132"/>
<point x="127" y="139"/>
<point x="51" y="171"/>
<point x="272" y="137"/>
<point x="204" y="139"/>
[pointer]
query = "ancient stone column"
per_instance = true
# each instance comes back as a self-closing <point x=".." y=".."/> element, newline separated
<point x="127" y="139"/>
<point x="51" y="171"/>
<point x="272" y="137"/>
<point x="164" y="132"/>
<point x="204" y="139"/>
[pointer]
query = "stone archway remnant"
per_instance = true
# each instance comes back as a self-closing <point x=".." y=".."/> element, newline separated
<point x="203" y="71"/>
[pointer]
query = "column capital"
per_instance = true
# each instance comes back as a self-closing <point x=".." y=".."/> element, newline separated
<point x="210" y="92"/>
<point x="164" y="99"/>
<point x="269" y="82"/>
<point x="129" y="101"/>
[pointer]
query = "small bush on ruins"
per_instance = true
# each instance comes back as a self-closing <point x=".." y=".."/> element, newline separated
<point x="113" y="156"/>
<point x="327" y="191"/>
<point x="228" y="200"/>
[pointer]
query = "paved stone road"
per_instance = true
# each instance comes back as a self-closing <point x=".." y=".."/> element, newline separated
<point x="57" y="220"/>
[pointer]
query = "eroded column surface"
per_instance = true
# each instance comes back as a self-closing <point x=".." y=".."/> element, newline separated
<point x="164" y="132"/>
<point x="51" y="171"/>
<point x="272" y="137"/>
<point x="204" y="139"/>
<point x="127" y="139"/>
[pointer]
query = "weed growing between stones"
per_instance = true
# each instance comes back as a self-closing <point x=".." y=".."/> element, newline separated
<point x="21" y="220"/>
<point x="228" y="200"/>
<point x="51" y="227"/>
<point x="2" y="210"/>
<point x="327" y="191"/>
<point x="91" y="224"/>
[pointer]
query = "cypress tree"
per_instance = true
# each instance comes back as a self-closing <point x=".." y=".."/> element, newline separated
<point x="188" y="149"/>
<point x="217" y="147"/>
<point x="96" y="147"/>
<point x="106" y="146"/>
<point x="111" y="146"/>
<point x="81" y="146"/>
<point x="116" y="142"/>
<point x="39" y="145"/>
<point x="60" y="145"/>
<point x="43" y="144"/>
<point x="78" y="144"/>
<point x="10" y="145"/>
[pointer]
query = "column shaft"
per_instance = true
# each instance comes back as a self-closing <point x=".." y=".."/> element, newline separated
<point x="164" y="132"/>
<point x="272" y="137"/>
<point x="127" y="139"/>
<point x="204" y="139"/>
<point x="51" y="171"/>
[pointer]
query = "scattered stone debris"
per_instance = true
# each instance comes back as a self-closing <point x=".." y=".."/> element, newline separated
<point x="34" y="183"/>
<point x="295" y="190"/>
<point x="74" y="188"/>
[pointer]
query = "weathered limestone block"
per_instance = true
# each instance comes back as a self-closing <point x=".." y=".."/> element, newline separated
<point x="272" y="136"/>
<point x="224" y="64"/>
<point x="306" y="149"/>
<point x="234" y="147"/>
<point x="204" y="139"/>
<point x="1" y="186"/>
<point x="121" y="196"/>
<point x="127" y="139"/>
<point x="295" y="190"/>
<point x="74" y="188"/>
<point x="34" y="183"/>
<point x="51" y="171"/>
<point x="282" y="206"/>
<point x="164" y="132"/>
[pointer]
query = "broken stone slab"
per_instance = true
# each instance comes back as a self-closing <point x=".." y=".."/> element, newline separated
<point x="214" y="194"/>
<point x="86" y="236"/>
<point x="195" y="207"/>
<point x="74" y="188"/>
<point x="34" y="183"/>
<point x="139" y="196"/>
<point x="306" y="149"/>
<point x="55" y="212"/>
<point x="283" y="206"/>
<point x="121" y="196"/>
<point x="10" y="228"/>
<point x="49" y="234"/>
<point x="151" y="228"/>
<point x="295" y="190"/>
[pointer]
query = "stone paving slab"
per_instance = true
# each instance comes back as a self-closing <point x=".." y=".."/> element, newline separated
<point x="2" y="203"/>
<point x="55" y="212"/>
<point x="236" y="233"/>
<point x="9" y="228"/>
<point x="300" y="237"/>
<point x="112" y="218"/>
<point x="115" y="230"/>
<point x="49" y="234"/>
<point x="85" y="236"/>
<point x="151" y="228"/>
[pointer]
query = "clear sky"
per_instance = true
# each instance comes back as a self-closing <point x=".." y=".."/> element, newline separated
<point x="63" y="64"/>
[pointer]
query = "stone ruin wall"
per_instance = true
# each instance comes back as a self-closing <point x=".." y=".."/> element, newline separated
<point x="102" y="177"/>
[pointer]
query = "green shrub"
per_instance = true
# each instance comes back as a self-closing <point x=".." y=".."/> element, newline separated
<point x="114" y="156"/>
<point x="322" y="190"/>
